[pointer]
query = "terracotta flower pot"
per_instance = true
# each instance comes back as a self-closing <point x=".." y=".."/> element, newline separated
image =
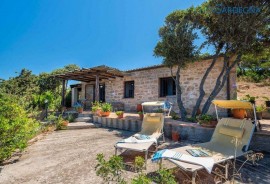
<point x="105" y="114"/>
<point x="80" y="110"/>
<point x="211" y="124"/>
<point x="239" y="113"/>
<point x="98" y="112"/>
<point x="65" y="123"/>
<point x="120" y="116"/>
<point x="139" y="107"/>
<point x="175" y="136"/>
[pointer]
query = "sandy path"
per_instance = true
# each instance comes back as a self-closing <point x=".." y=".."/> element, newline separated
<point x="61" y="157"/>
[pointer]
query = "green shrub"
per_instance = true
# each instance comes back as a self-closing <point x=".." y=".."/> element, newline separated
<point x="139" y="163"/>
<point x="174" y="115"/>
<point x="141" y="179"/>
<point x="165" y="177"/>
<point x="110" y="170"/>
<point x="16" y="128"/>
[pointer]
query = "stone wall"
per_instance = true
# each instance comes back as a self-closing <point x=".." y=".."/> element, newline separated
<point x="146" y="83"/>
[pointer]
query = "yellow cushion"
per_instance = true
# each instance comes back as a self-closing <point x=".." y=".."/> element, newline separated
<point x="231" y="131"/>
<point x="153" y="119"/>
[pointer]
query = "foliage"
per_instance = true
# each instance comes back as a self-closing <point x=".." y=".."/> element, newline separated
<point x="159" y="110"/>
<point x="61" y="123"/>
<point x="119" y="113"/>
<point x="249" y="98"/>
<point x="110" y="170"/>
<point x="139" y="163"/>
<point x="95" y="106"/>
<point x="53" y="100"/>
<point x="254" y="67"/>
<point x="16" y="128"/>
<point x="140" y="112"/>
<point x="177" y="48"/>
<point x="205" y="118"/>
<point x="231" y="34"/>
<point x="191" y="119"/>
<point x="260" y="108"/>
<point x="141" y="179"/>
<point x="70" y="118"/>
<point x="165" y="177"/>
<point x="266" y="98"/>
<point x="174" y="115"/>
<point x="106" y="107"/>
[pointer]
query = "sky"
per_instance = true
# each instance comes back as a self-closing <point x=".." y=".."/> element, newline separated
<point x="43" y="35"/>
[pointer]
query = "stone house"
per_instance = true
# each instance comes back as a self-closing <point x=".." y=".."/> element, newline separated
<point x="152" y="83"/>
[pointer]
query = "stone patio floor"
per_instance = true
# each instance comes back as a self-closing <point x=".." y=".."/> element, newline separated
<point x="68" y="156"/>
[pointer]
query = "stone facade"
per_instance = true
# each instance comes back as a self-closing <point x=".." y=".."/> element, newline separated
<point x="147" y="84"/>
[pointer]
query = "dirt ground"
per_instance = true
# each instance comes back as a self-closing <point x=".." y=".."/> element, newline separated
<point x="68" y="156"/>
<point x="253" y="89"/>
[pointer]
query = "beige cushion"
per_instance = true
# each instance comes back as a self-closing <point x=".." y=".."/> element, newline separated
<point x="153" y="119"/>
<point x="231" y="131"/>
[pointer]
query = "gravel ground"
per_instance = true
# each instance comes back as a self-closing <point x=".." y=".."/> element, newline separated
<point x="69" y="157"/>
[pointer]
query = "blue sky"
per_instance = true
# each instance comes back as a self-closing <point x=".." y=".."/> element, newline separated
<point x="43" y="35"/>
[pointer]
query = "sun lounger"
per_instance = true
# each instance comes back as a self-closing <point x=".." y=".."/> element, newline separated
<point x="152" y="129"/>
<point x="222" y="147"/>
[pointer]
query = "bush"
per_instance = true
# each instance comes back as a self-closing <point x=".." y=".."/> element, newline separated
<point x="110" y="170"/>
<point x="165" y="177"/>
<point x="16" y="128"/>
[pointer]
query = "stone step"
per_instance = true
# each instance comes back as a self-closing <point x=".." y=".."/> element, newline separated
<point x="83" y="119"/>
<point x="80" y="125"/>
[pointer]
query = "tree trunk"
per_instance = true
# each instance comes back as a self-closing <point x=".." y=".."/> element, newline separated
<point x="201" y="89"/>
<point x="182" y="109"/>
<point x="220" y="84"/>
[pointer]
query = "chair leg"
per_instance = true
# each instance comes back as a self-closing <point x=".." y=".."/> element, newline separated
<point x="115" y="153"/>
<point x="146" y="155"/>
<point x="226" y="171"/>
<point x="193" y="181"/>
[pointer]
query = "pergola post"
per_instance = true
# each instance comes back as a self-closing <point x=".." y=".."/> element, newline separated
<point x="63" y="93"/>
<point x="97" y="89"/>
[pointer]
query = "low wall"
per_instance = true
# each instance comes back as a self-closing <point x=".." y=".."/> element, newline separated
<point x="187" y="131"/>
<point x="133" y="125"/>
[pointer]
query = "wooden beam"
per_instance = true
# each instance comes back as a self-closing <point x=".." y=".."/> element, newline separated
<point x="97" y="89"/>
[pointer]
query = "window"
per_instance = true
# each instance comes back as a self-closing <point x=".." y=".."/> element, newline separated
<point x="129" y="89"/>
<point x="167" y="87"/>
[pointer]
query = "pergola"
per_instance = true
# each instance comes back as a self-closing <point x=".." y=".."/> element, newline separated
<point x="87" y="75"/>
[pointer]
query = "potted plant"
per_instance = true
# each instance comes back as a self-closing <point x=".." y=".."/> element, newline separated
<point x="267" y="101"/>
<point x="61" y="123"/>
<point x="106" y="109"/>
<point x="78" y="107"/>
<point x="206" y="120"/>
<point x="140" y="115"/>
<point x="120" y="114"/>
<point x="96" y="108"/>
<point x="259" y="110"/>
<point x="249" y="98"/>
